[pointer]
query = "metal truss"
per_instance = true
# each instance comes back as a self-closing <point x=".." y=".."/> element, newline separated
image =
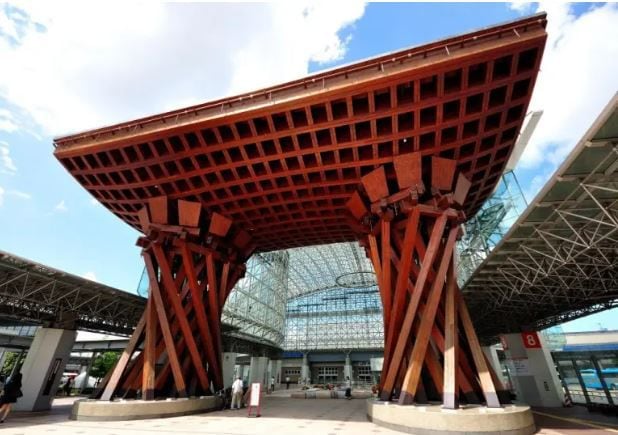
<point x="33" y="292"/>
<point x="256" y="305"/>
<point x="335" y="318"/>
<point x="560" y="260"/>
<point x="323" y="267"/>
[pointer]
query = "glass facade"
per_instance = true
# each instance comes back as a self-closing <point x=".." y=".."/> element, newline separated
<point x="485" y="230"/>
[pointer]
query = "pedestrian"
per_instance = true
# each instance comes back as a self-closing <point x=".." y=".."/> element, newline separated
<point x="348" y="388"/>
<point x="287" y="382"/>
<point x="67" y="386"/>
<point x="237" y="388"/>
<point x="12" y="391"/>
<point x="272" y="383"/>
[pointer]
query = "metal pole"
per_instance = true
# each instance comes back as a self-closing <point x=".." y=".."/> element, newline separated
<point x="581" y="381"/>
<point x="595" y="363"/>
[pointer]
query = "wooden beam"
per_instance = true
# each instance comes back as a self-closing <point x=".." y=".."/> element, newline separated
<point x="148" y="370"/>
<point x="489" y="389"/>
<point x="385" y="286"/>
<point x="406" y="327"/>
<point x="165" y="327"/>
<point x="451" y="344"/>
<point x="173" y="297"/>
<point x="200" y="314"/>
<point x="125" y="357"/>
<point x="408" y="389"/>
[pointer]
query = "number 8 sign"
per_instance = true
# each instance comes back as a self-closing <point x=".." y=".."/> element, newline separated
<point x="531" y="340"/>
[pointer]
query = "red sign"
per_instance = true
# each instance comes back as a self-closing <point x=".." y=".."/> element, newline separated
<point x="531" y="340"/>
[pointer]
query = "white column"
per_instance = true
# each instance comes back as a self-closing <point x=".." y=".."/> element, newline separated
<point x="304" y="369"/>
<point x="491" y="352"/>
<point x="229" y="362"/>
<point x="277" y="371"/>
<point x="532" y="370"/>
<point x="86" y="379"/>
<point x="347" y="368"/>
<point x="257" y="372"/>
<point x="48" y="355"/>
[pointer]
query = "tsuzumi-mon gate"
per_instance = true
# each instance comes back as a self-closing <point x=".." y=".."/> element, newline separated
<point x="395" y="152"/>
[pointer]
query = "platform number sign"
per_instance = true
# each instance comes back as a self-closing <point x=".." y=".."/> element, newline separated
<point x="531" y="340"/>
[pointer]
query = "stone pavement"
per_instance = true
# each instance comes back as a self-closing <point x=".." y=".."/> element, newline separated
<point x="280" y="415"/>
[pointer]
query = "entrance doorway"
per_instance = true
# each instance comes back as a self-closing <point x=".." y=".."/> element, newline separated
<point x="327" y="375"/>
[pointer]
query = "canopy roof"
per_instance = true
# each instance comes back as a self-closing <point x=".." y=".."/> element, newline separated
<point x="559" y="261"/>
<point x="282" y="161"/>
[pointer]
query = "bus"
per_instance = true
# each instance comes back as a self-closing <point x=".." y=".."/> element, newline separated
<point x="591" y="380"/>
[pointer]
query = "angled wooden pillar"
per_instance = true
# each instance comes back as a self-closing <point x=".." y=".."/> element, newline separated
<point x="193" y="261"/>
<point x="410" y="236"/>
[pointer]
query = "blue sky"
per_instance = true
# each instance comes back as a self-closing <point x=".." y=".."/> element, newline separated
<point x="71" y="67"/>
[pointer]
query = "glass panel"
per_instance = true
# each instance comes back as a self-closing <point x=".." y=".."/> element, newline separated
<point x="591" y="381"/>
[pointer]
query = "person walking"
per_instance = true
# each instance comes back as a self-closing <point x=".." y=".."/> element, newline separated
<point x="272" y="384"/>
<point x="12" y="391"/>
<point x="348" y="388"/>
<point x="287" y="382"/>
<point x="237" y="388"/>
<point x="67" y="386"/>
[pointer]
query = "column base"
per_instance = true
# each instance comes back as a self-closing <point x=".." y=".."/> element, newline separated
<point x="103" y="410"/>
<point x="434" y="420"/>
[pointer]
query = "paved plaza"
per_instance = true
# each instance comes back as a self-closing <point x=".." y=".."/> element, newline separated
<point x="280" y="415"/>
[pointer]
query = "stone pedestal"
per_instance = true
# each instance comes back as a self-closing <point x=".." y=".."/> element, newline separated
<point x="435" y="420"/>
<point x="43" y="368"/>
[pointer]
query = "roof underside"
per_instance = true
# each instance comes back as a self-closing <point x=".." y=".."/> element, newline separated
<point x="281" y="162"/>
<point x="560" y="259"/>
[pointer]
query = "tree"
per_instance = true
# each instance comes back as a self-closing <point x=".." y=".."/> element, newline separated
<point x="10" y="361"/>
<point x="103" y="363"/>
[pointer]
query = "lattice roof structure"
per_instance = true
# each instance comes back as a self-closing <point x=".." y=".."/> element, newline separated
<point x="38" y="293"/>
<point x="281" y="162"/>
<point x="559" y="261"/>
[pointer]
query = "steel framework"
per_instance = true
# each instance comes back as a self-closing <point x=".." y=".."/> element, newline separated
<point x="560" y="260"/>
<point x="336" y="318"/>
<point x="32" y="292"/>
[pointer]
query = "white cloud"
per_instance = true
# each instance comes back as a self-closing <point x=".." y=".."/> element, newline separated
<point x="19" y="194"/>
<point x="91" y="276"/>
<point x="61" y="207"/>
<point x="7" y="123"/>
<point x="7" y="166"/>
<point x="15" y="193"/>
<point x="579" y="75"/>
<point x="72" y="65"/>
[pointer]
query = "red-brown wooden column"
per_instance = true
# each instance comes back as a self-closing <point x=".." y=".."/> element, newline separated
<point x="193" y="261"/>
<point x="410" y="218"/>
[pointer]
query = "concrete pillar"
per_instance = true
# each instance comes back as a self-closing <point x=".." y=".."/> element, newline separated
<point x="305" y="372"/>
<point x="276" y="371"/>
<point x="84" y="384"/>
<point x="229" y="362"/>
<point x="532" y="370"/>
<point x="347" y="368"/>
<point x="257" y="372"/>
<point x="48" y="355"/>
<point x="491" y="352"/>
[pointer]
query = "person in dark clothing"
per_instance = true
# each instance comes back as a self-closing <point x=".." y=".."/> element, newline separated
<point x="12" y="391"/>
<point x="67" y="386"/>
